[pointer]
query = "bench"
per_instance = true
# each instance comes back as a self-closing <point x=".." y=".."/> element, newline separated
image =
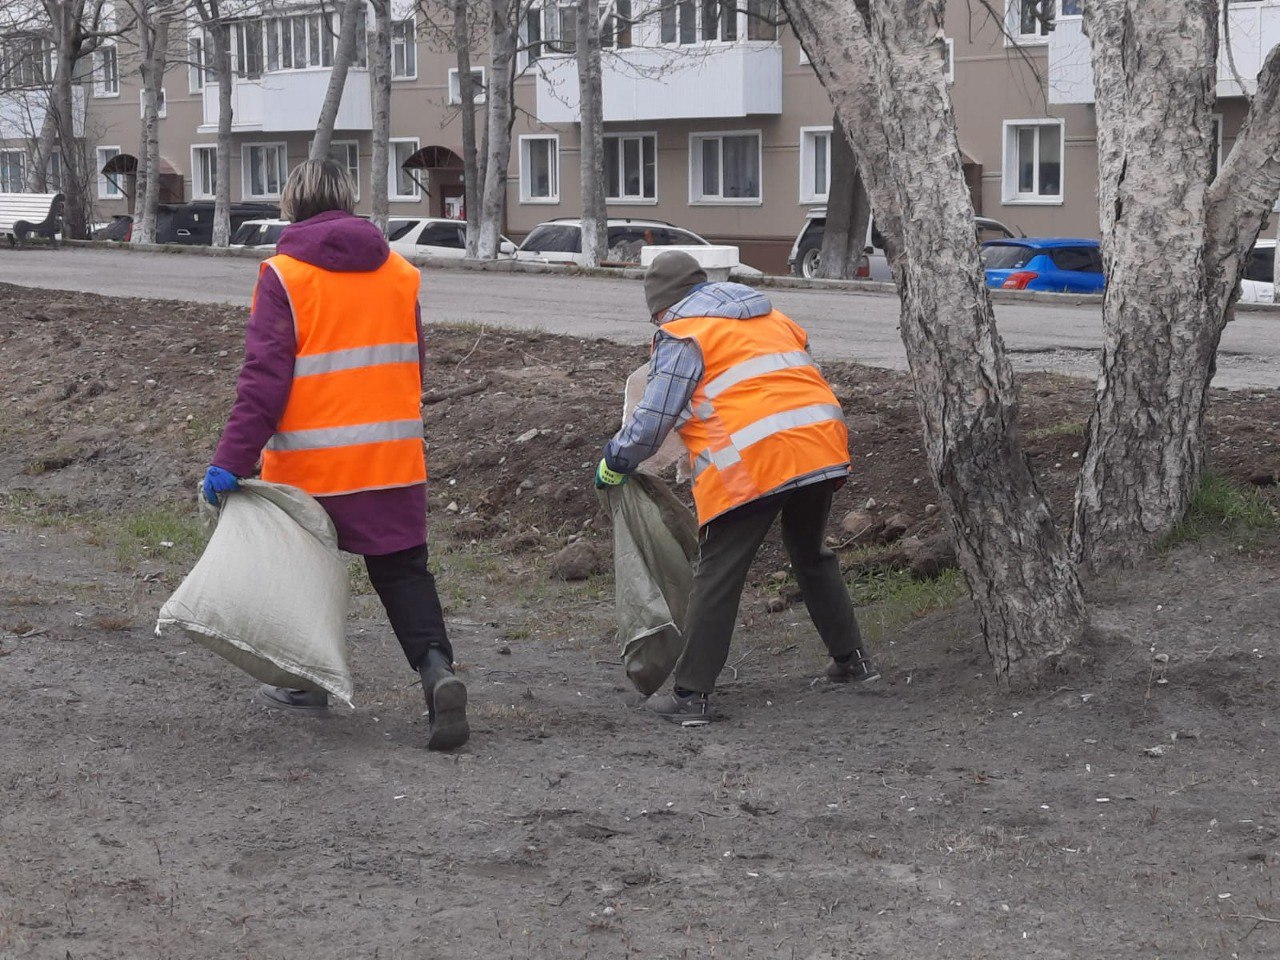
<point x="24" y="215"/>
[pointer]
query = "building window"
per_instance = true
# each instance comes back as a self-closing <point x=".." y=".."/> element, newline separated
<point x="306" y="41"/>
<point x="630" y="167"/>
<point x="13" y="171"/>
<point x="162" y="108"/>
<point x="1215" y="144"/>
<point x="404" y="49"/>
<point x="815" y="164"/>
<point x="550" y="27"/>
<point x="762" y="20"/>
<point x="25" y="62"/>
<point x="949" y="59"/>
<point x="1031" y="21"/>
<point x="477" y="85"/>
<point x="1033" y="161"/>
<point x="197" y="65"/>
<point x="615" y="25"/>
<point x="204" y="173"/>
<point x="347" y="154"/>
<point x="723" y="21"/>
<point x="53" y="181"/>
<point x="265" y="167"/>
<point x="724" y="168"/>
<point x="539" y="169"/>
<point x="108" y="185"/>
<point x="400" y="181"/>
<point x="246" y="48"/>
<point x="106" y="72"/>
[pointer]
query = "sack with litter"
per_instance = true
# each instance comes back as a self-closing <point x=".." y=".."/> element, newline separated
<point x="270" y="591"/>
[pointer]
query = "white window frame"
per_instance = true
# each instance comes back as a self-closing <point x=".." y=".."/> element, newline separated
<point x="100" y="89"/>
<point x="394" y="167"/>
<point x="105" y="186"/>
<point x="455" y="86"/>
<point x="742" y="27"/>
<point x="198" y="55"/>
<point x="808" y="158"/>
<point x="1009" y="171"/>
<point x="696" y="197"/>
<point x="411" y="48"/>
<point x="164" y="105"/>
<point x="1014" y="37"/>
<point x="24" y="162"/>
<point x="246" y="178"/>
<point x="951" y="58"/>
<point x="1218" y="122"/>
<point x="640" y="201"/>
<point x="353" y="149"/>
<point x="525" y="165"/>
<point x="196" y="150"/>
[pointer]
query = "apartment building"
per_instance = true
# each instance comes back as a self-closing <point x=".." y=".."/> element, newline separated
<point x="714" y="119"/>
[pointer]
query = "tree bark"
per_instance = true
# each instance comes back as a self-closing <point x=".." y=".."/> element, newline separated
<point x="380" y="63"/>
<point x="1175" y="242"/>
<point x="503" y="38"/>
<point x="470" y="156"/>
<point x="882" y="66"/>
<point x="848" y="212"/>
<point x="344" y="53"/>
<point x="69" y="48"/>
<point x="153" y="33"/>
<point x="595" y="228"/>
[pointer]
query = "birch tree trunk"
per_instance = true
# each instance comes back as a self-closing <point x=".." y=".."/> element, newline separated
<point x="380" y="63"/>
<point x="881" y="62"/>
<point x="220" y="40"/>
<point x="848" y="212"/>
<point x="1175" y="243"/>
<point x="66" y="18"/>
<point x="595" y="228"/>
<point x="344" y="53"/>
<point x="153" y="34"/>
<point x="503" y="38"/>
<point x="467" y="93"/>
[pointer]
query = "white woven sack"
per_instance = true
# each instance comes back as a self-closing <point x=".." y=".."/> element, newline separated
<point x="270" y="591"/>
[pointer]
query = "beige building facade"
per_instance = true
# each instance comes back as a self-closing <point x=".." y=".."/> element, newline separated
<point x="714" y="120"/>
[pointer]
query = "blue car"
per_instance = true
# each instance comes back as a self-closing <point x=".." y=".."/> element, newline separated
<point x="1055" y="265"/>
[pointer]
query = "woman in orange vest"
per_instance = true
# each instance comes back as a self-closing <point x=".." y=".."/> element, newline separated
<point x="766" y="438"/>
<point x="329" y="397"/>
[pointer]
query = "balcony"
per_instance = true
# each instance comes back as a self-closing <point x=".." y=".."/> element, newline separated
<point x="1254" y="28"/>
<point x="672" y="83"/>
<point x="289" y="102"/>
<point x="22" y="112"/>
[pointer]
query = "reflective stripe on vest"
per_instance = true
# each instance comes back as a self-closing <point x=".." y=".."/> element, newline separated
<point x="353" y="419"/>
<point x="762" y="415"/>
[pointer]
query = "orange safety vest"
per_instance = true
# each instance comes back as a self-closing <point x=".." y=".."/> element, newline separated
<point x="353" y="421"/>
<point x="763" y="415"/>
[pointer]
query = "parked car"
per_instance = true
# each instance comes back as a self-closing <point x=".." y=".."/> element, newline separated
<point x="560" y="241"/>
<point x="435" y="237"/>
<point x="806" y="253"/>
<point x="1056" y="265"/>
<point x="258" y="233"/>
<point x="1258" y="285"/>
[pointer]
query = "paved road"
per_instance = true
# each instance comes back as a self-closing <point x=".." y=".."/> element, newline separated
<point x="852" y="326"/>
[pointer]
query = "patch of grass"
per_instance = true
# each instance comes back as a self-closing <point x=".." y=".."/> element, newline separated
<point x="1222" y="507"/>
<point x="141" y="535"/>
<point x="35" y="508"/>
<point x="888" y="600"/>
<point x="1066" y="428"/>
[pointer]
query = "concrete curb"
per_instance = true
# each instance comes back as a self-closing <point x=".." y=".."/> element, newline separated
<point x="880" y="287"/>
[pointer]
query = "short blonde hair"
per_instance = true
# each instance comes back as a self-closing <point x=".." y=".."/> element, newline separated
<point x="317" y="186"/>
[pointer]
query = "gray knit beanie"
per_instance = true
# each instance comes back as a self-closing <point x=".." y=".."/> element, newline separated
<point x="670" y="278"/>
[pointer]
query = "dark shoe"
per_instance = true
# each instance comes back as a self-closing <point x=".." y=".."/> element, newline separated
<point x="857" y="668"/>
<point x="446" y="698"/>
<point x="294" y="699"/>
<point x="687" y="709"/>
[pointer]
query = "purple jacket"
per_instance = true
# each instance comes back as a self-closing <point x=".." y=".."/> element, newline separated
<point x="374" y="522"/>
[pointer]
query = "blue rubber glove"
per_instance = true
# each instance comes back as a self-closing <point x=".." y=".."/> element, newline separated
<point x="216" y="481"/>
<point x="608" y="478"/>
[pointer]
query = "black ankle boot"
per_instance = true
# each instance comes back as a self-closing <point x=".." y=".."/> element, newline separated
<point x="446" y="698"/>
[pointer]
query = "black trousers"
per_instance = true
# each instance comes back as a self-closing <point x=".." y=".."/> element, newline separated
<point x="408" y="592"/>
<point x="727" y="546"/>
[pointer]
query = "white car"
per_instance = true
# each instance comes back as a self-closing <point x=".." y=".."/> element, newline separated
<point x="560" y="241"/>
<point x="435" y="237"/>
<point x="1258" y="285"/>
<point x="258" y="234"/>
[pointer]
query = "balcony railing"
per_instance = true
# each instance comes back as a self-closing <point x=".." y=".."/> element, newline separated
<point x="678" y="83"/>
<point x="289" y="102"/>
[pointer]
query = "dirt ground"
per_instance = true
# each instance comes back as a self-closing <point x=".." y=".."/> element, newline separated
<point x="150" y="807"/>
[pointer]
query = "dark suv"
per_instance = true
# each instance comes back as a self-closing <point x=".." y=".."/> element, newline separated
<point x="187" y="224"/>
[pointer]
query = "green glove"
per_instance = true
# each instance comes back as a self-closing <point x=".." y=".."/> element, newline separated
<point x="608" y="478"/>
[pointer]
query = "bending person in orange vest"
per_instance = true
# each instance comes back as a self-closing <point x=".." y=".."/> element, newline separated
<point x="329" y="396"/>
<point x="766" y="438"/>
